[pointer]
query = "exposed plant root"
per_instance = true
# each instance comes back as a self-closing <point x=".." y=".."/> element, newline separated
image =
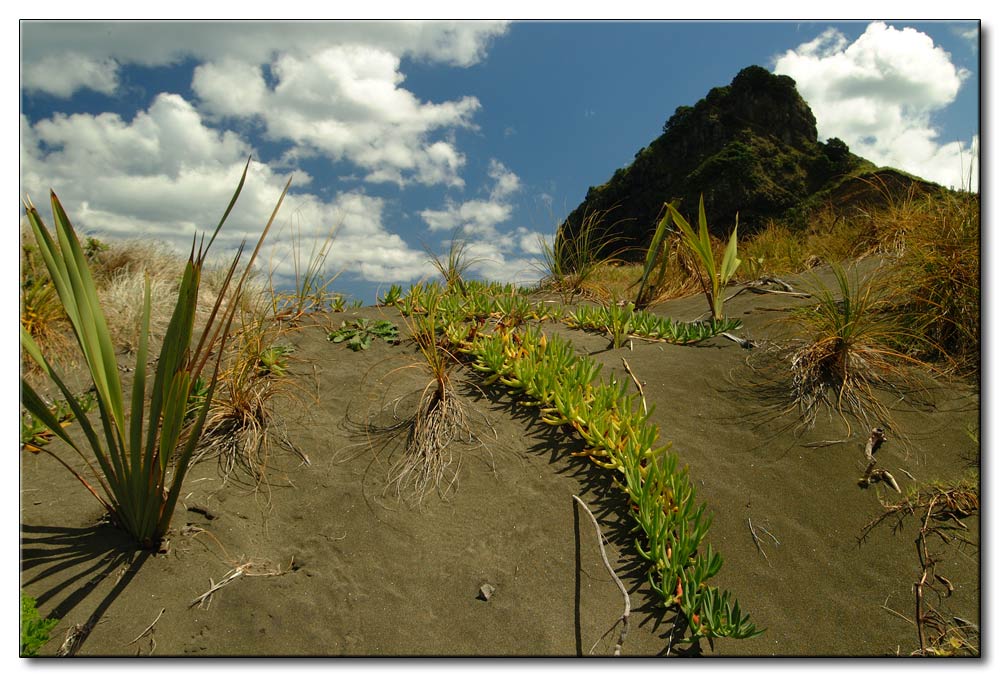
<point x="243" y="440"/>
<point x="427" y="460"/>
<point x="940" y="510"/>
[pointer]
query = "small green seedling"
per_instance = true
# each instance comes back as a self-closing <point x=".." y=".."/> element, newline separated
<point x="34" y="629"/>
<point x="359" y="333"/>
<point x="272" y="360"/>
<point x="392" y="297"/>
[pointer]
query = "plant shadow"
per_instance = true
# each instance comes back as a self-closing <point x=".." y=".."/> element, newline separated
<point x="65" y="565"/>
<point x="609" y="504"/>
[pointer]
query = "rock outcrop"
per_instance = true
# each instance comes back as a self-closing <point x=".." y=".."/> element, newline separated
<point x="750" y="148"/>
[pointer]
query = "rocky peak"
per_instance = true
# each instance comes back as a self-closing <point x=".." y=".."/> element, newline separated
<point x="749" y="147"/>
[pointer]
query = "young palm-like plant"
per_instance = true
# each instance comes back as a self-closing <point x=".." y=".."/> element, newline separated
<point x="718" y="275"/>
<point x="658" y="252"/>
<point x="134" y="439"/>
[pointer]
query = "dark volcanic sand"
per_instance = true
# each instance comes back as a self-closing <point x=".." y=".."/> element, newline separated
<point x="365" y="574"/>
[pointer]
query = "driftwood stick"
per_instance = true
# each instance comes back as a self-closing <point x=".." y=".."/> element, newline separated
<point x="637" y="385"/>
<point x="873" y="474"/>
<point x="875" y="441"/>
<point x="745" y="344"/>
<point x="618" y="581"/>
<point x="756" y="541"/>
<point x="757" y="288"/>
<point x="149" y="628"/>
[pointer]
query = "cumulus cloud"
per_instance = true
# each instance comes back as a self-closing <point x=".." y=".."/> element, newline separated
<point x="343" y="102"/>
<point x="879" y="94"/>
<point x="167" y="175"/>
<point x="66" y="73"/>
<point x="506" y="256"/>
<point x="333" y="89"/>
<point x="154" y="43"/>
<point x="506" y="182"/>
<point x="478" y="217"/>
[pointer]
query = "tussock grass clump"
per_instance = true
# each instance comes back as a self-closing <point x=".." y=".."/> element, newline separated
<point x="936" y="283"/>
<point x="242" y="428"/>
<point x="570" y="260"/>
<point x="310" y="291"/>
<point x="773" y="250"/>
<point x="850" y="349"/>
<point x="440" y="418"/>
<point x="454" y="266"/>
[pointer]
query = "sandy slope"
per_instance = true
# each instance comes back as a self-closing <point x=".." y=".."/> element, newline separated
<point x="335" y="564"/>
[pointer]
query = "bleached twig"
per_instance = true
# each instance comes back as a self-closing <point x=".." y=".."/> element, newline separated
<point x="637" y="385"/>
<point x="621" y="586"/>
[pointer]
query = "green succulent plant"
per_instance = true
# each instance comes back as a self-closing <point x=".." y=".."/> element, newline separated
<point x="360" y="333"/>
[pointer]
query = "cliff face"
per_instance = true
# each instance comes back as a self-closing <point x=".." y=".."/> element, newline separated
<point x="750" y="147"/>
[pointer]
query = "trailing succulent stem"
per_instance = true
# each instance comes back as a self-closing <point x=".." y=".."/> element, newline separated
<point x="547" y="373"/>
<point x="624" y="321"/>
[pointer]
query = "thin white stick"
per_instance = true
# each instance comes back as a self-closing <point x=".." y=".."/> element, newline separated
<point x="618" y="581"/>
<point x="637" y="385"/>
<point x="149" y="628"/>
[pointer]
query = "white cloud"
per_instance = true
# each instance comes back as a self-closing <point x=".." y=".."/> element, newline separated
<point x="969" y="34"/>
<point x="879" y="93"/>
<point x="493" y="254"/>
<point x="343" y="102"/>
<point x="506" y="182"/>
<point x="166" y="175"/>
<point x="66" y="73"/>
<point x="333" y="89"/>
<point x="531" y="241"/>
<point x="474" y="217"/>
<point x="157" y="43"/>
<point x="478" y="217"/>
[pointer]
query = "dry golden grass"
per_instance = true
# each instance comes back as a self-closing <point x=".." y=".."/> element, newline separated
<point x="242" y="428"/>
<point x="427" y="462"/>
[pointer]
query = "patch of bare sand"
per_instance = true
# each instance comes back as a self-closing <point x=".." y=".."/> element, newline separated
<point x="332" y="563"/>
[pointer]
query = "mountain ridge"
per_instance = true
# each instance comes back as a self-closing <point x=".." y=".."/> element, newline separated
<point x="750" y="148"/>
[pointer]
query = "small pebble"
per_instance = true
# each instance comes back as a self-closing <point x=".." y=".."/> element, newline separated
<point x="485" y="592"/>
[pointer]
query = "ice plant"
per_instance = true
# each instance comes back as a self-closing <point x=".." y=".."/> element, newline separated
<point x="135" y="438"/>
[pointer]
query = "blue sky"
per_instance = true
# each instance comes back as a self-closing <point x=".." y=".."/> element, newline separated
<point x="398" y="136"/>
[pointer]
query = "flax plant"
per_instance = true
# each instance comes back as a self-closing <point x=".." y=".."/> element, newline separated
<point x="715" y="275"/>
<point x="657" y="253"/>
<point x="134" y="439"/>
